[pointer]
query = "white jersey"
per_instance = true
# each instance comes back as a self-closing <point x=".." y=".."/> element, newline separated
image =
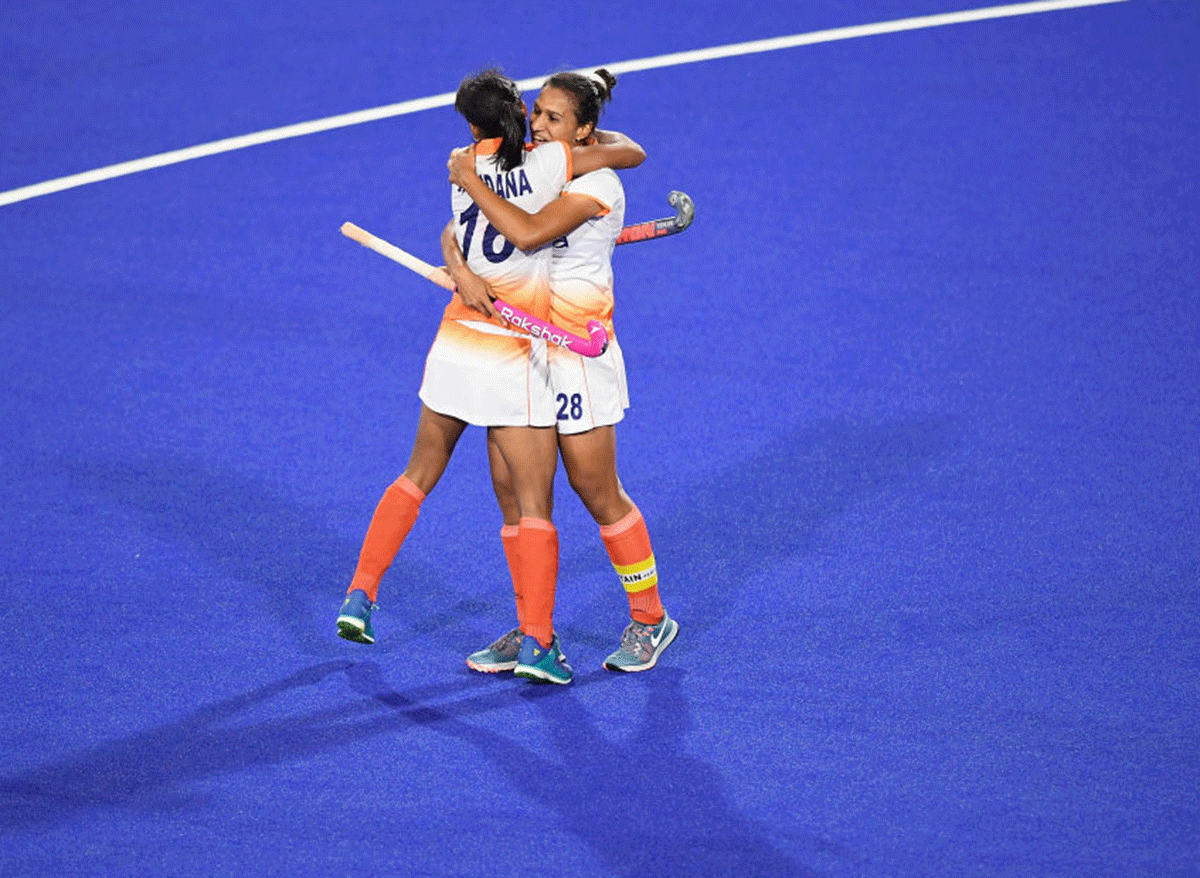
<point x="520" y="277"/>
<point x="589" y="392"/>
<point x="478" y="369"/>
<point x="581" y="275"/>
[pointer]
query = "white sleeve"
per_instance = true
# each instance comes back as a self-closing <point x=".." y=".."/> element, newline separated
<point x="555" y="159"/>
<point x="602" y="185"/>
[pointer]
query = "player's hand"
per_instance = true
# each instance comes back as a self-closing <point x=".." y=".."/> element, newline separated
<point x="476" y="294"/>
<point x="461" y="164"/>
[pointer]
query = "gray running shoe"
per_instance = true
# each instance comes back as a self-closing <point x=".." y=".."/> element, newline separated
<point x="500" y="656"/>
<point x="641" y="645"/>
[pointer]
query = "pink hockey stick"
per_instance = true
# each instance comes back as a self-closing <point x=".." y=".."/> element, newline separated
<point x="593" y="346"/>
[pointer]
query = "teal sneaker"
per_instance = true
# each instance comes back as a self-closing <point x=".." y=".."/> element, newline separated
<point x="500" y="656"/>
<point x="641" y="645"/>
<point x="354" y="619"/>
<point x="536" y="662"/>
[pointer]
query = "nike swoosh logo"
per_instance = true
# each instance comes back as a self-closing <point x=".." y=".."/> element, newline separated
<point x="654" y="641"/>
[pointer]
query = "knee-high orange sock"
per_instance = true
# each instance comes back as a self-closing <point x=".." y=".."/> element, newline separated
<point x="393" y="519"/>
<point x="537" y="549"/>
<point x="508" y="536"/>
<point x="628" y="545"/>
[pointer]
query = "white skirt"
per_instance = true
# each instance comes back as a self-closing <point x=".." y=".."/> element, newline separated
<point x="588" y="392"/>
<point x="488" y="376"/>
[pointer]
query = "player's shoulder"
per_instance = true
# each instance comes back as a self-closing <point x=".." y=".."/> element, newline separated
<point x="606" y="174"/>
<point x="602" y="181"/>
<point x="548" y="149"/>
<point x="551" y="155"/>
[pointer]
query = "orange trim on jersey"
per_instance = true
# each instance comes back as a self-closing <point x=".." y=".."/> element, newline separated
<point x="529" y="147"/>
<point x="604" y="210"/>
<point x="491" y="146"/>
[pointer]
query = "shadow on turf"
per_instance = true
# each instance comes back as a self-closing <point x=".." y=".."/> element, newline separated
<point x="150" y="768"/>
<point x="253" y="532"/>
<point x="685" y="823"/>
<point x="643" y="806"/>
<point x="772" y="503"/>
<point x="154" y="769"/>
<point x="706" y="533"/>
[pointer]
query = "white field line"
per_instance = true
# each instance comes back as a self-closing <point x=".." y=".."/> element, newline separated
<point x="344" y="120"/>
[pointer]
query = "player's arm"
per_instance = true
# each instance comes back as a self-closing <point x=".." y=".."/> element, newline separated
<point x="608" y="149"/>
<point x="526" y="230"/>
<point x="472" y="289"/>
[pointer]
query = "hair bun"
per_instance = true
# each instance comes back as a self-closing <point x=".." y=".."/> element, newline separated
<point x="606" y="81"/>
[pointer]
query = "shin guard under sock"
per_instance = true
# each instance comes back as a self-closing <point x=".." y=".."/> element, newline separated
<point x="628" y="545"/>
<point x="537" y="548"/>
<point x="393" y="519"/>
<point x="508" y="536"/>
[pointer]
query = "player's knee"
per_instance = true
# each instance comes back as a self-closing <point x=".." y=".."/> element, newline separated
<point x="585" y="484"/>
<point x="597" y="493"/>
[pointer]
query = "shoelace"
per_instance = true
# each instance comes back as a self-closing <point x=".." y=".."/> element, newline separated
<point x="511" y="639"/>
<point x="636" y="639"/>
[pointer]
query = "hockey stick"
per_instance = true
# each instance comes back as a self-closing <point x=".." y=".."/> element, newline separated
<point x="593" y="346"/>
<point x="660" y="228"/>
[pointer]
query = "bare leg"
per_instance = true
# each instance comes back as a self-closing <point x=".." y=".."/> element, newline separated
<point x="530" y="455"/>
<point x="437" y="435"/>
<point x="502" y="484"/>
<point x="590" y="460"/>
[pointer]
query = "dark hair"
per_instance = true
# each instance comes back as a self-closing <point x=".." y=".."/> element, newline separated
<point x="492" y="103"/>
<point x="591" y="93"/>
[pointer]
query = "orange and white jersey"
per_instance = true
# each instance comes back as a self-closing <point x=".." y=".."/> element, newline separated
<point x="581" y="275"/>
<point x="481" y="370"/>
<point x="589" y="392"/>
<point x="519" y="277"/>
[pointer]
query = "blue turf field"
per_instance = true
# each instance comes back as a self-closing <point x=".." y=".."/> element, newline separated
<point x="915" y="428"/>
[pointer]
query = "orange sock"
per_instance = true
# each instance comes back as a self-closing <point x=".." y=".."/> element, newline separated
<point x="537" y="550"/>
<point x="394" y="517"/>
<point x="628" y="544"/>
<point x="508" y="536"/>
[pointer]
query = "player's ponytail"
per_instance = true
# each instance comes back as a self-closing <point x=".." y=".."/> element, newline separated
<point x="512" y="138"/>
<point x="492" y="103"/>
<point x="591" y="93"/>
